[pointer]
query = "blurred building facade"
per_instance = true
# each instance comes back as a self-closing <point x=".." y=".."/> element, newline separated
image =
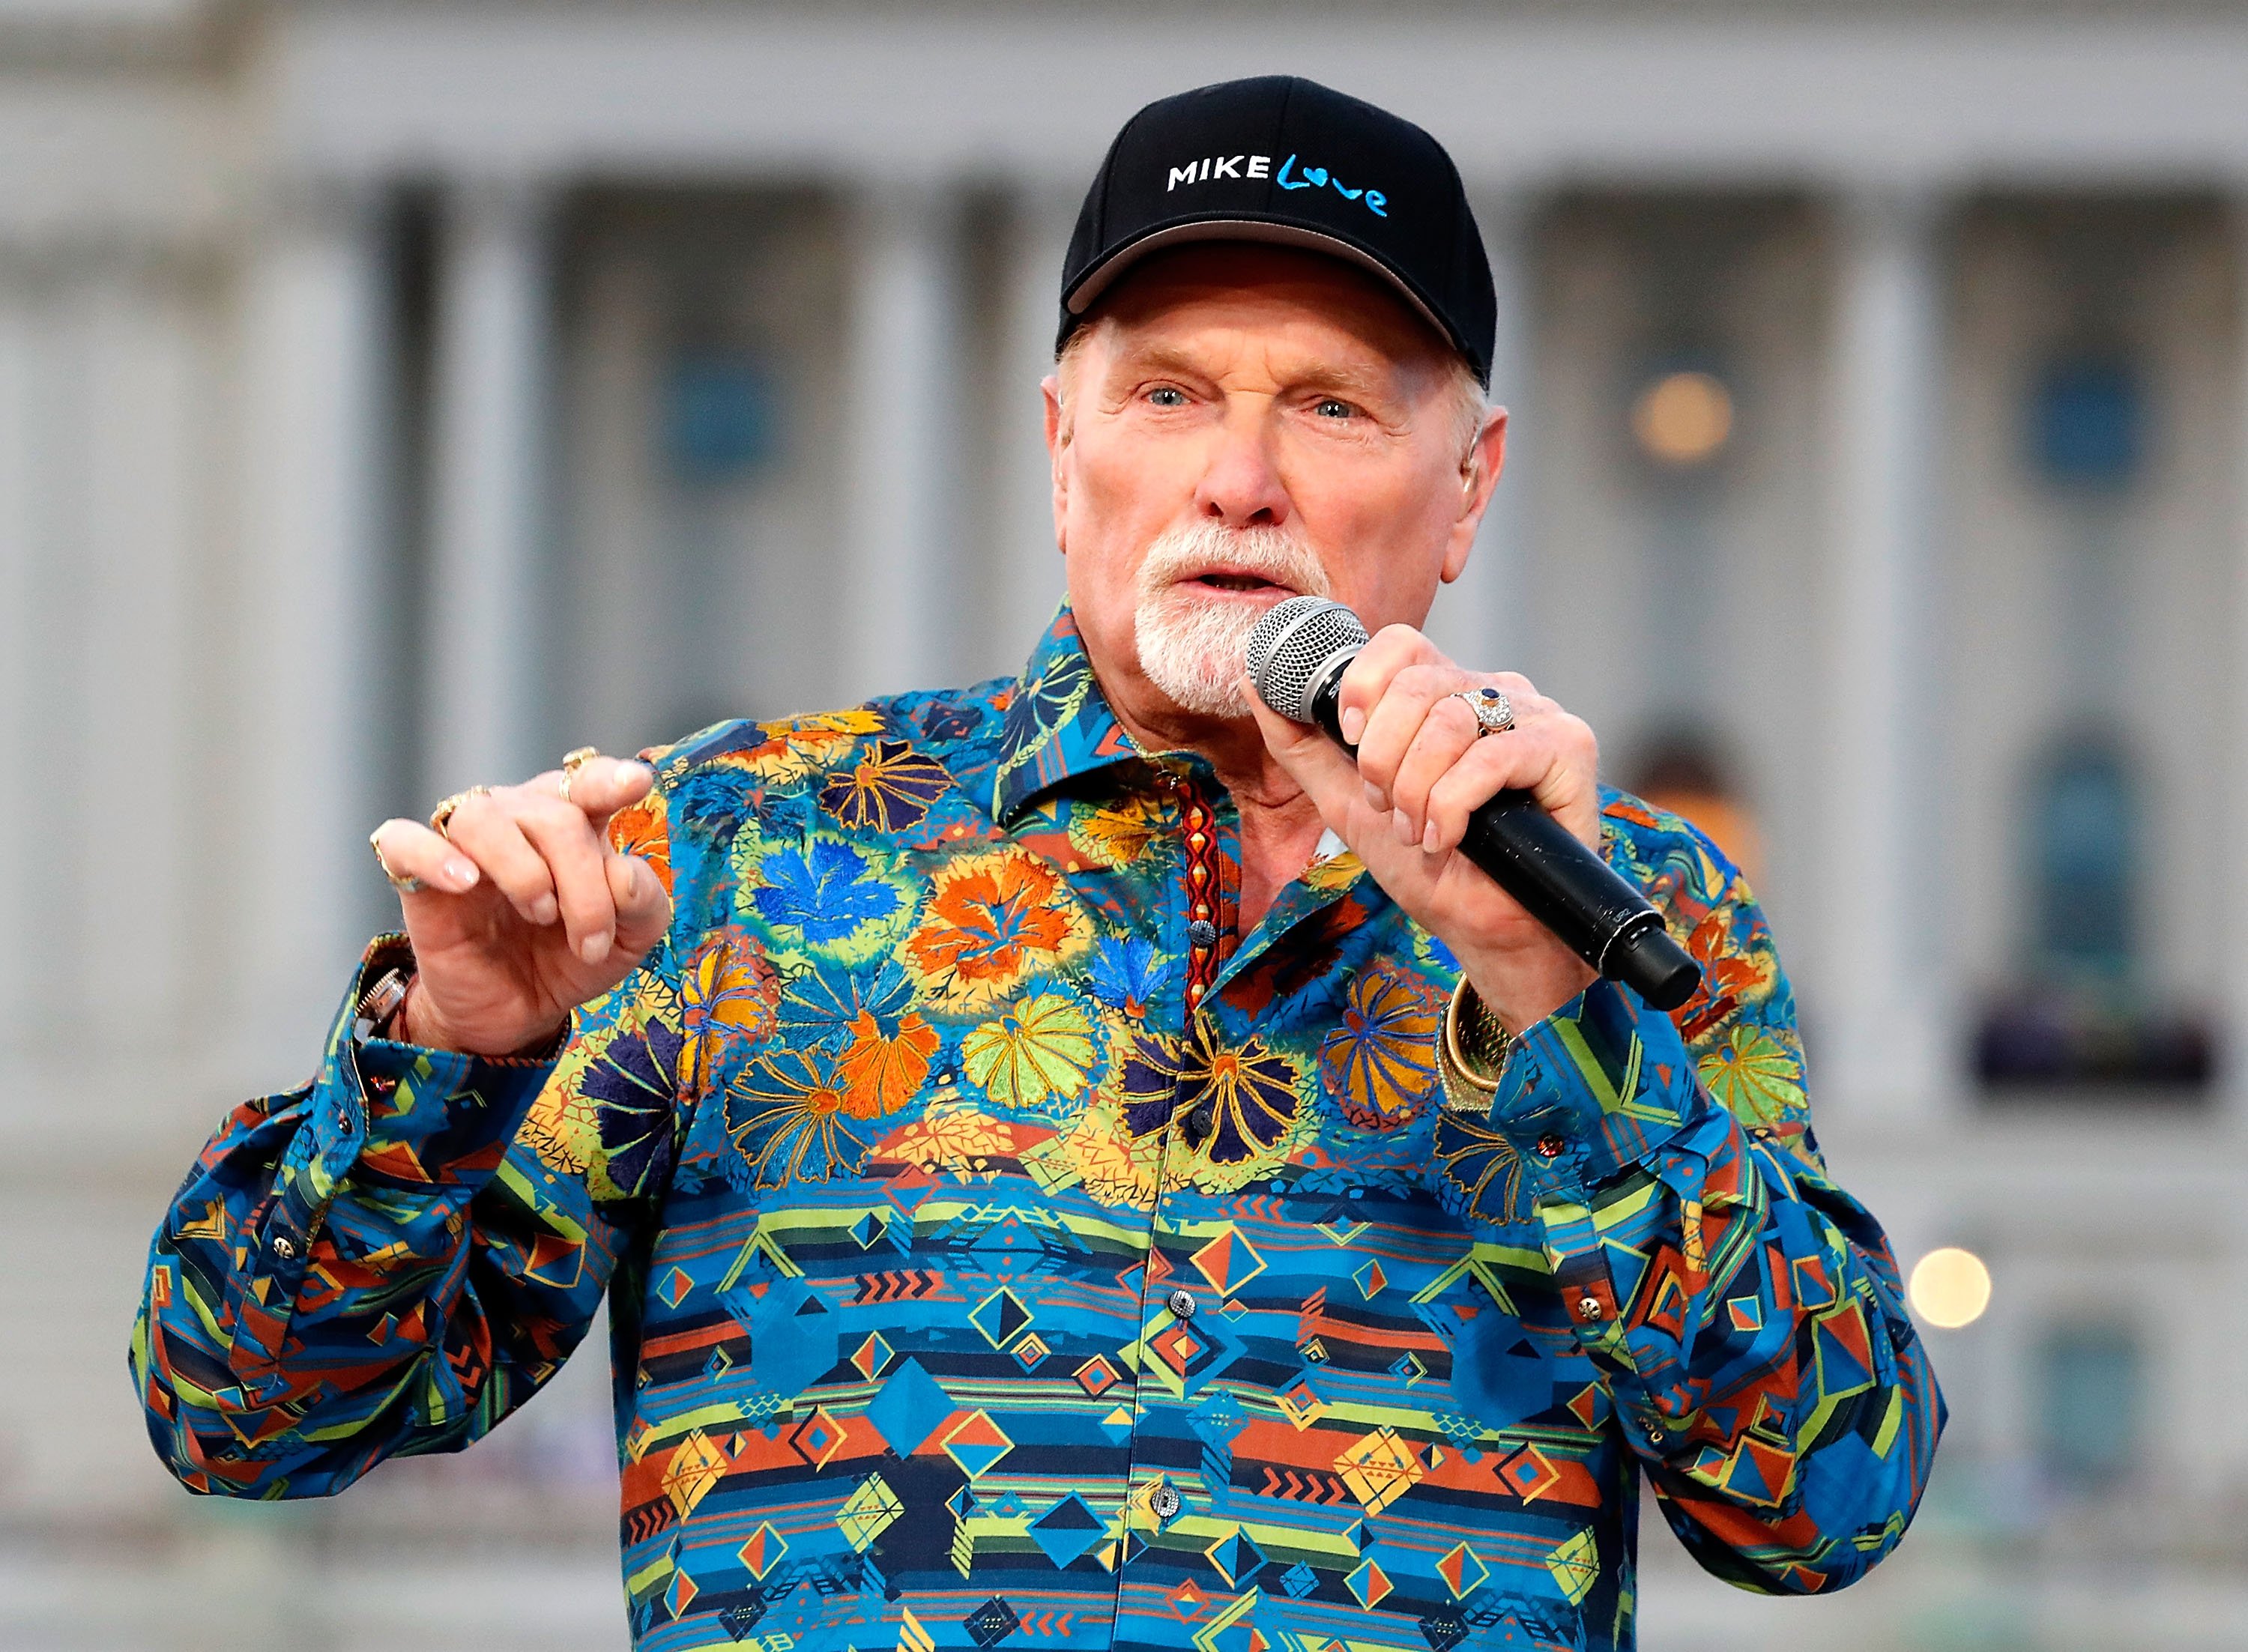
<point x="394" y="394"/>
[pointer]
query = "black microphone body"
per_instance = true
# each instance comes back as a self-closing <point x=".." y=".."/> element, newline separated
<point x="1521" y="848"/>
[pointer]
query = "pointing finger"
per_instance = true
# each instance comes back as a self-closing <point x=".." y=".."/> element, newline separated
<point x="1312" y="760"/>
<point x="409" y="849"/>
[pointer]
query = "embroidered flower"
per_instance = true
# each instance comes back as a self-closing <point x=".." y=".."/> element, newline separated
<point x="1250" y="1088"/>
<point x="729" y="993"/>
<point x="1380" y="1064"/>
<point x="787" y="1116"/>
<point x="793" y="748"/>
<point x="1481" y="1166"/>
<point x="1754" y="1076"/>
<point x="991" y="920"/>
<point x="888" y="790"/>
<point x="1117" y="835"/>
<point x="883" y="1067"/>
<point x="827" y="892"/>
<point x="1127" y="973"/>
<point x="1042" y="1048"/>
<point x="629" y="1081"/>
<point x="642" y="829"/>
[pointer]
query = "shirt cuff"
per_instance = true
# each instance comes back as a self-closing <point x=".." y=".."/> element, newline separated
<point x="396" y="1115"/>
<point x="1591" y="1091"/>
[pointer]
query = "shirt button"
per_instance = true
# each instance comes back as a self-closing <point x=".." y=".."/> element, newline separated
<point x="1164" y="1502"/>
<point x="1550" y="1145"/>
<point x="1199" y="1123"/>
<point x="1181" y="1305"/>
<point x="1589" y="1307"/>
<point x="284" y="1247"/>
<point x="1203" y="933"/>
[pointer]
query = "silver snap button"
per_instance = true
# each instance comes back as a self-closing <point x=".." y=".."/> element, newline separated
<point x="284" y="1247"/>
<point x="1589" y="1307"/>
<point x="1181" y="1305"/>
<point x="1165" y="1502"/>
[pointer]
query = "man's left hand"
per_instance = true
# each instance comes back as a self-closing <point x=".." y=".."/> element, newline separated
<point x="1423" y="765"/>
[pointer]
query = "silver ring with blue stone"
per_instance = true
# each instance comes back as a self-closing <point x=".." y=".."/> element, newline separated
<point x="1494" y="712"/>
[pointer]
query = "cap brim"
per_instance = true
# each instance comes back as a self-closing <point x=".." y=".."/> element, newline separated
<point x="1097" y="280"/>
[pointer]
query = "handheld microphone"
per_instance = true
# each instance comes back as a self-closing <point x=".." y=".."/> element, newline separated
<point x="1297" y="656"/>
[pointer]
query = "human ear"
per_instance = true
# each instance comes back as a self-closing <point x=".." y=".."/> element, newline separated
<point x="1479" y="476"/>
<point x="1057" y="444"/>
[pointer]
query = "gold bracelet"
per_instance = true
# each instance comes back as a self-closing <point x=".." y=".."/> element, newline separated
<point x="1473" y="1053"/>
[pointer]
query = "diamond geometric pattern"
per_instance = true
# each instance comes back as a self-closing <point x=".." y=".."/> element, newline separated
<point x="881" y="1143"/>
<point x="1067" y="1530"/>
<point x="870" y="1510"/>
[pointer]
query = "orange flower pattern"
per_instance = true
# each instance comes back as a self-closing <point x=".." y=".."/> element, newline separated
<point x="957" y="1219"/>
<point x="989" y="922"/>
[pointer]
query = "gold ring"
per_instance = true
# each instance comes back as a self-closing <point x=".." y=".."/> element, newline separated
<point x="442" y="816"/>
<point x="404" y="886"/>
<point x="572" y="762"/>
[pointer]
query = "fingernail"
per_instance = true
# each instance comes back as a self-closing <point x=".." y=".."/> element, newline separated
<point x="1405" y="832"/>
<point x="461" y="871"/>
<point x="1375" y="800"/>
<point x="1429" y="840"/>
<point x="1353" y="723"/>
<point x="543" y="910"/>
<point x="593" y="948"/>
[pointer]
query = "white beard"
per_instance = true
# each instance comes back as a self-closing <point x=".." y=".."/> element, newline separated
<point x="1195" y="649"/>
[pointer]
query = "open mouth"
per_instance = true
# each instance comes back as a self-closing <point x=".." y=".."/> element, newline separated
<point x="1239" y="584"/>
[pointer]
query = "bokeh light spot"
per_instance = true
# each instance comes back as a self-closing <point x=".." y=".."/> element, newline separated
<point x="1682" y="418"/>
<point x="1950" y="1288"/>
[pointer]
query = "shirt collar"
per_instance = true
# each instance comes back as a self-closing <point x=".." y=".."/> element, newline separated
<point x="1058" y="724"/>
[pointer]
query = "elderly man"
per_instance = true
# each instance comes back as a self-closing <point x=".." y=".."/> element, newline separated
<point x="1074" y="1159"/>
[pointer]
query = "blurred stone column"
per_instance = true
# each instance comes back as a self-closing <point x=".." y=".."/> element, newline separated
<point x="1477" y="619"/>
<point x="2232" y="1035"/>
<point x="312" y="543"/>
<point x="1875" y="1020"/>
<point x="1029" y="566"/>
<point x="481" y="626"/>
<point x="909" y="402"/>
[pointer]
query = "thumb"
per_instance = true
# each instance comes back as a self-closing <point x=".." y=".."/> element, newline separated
<point x="1314" y="762"/>
<point x="643" y="906"/>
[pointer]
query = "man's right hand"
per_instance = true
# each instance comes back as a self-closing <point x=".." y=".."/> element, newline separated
<point x="525" y="911"/>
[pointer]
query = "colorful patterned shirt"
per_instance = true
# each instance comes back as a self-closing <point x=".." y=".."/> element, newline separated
<point x="1002" y="1248"/>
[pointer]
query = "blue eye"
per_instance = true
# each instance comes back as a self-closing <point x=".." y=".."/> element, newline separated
<point x="1168" y="396"/>
<point x="1329" y="408"/>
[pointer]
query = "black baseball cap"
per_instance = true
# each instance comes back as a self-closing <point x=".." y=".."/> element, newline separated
<point x="1285" y="159"/>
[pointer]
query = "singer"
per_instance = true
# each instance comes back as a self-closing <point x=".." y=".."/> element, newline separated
<point x="1077" y="1157"/>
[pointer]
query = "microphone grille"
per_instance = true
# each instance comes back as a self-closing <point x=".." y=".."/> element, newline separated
<point x="1291" y="642"/>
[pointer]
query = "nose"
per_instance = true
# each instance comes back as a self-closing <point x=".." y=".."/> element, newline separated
<point x="1241" y="485"/>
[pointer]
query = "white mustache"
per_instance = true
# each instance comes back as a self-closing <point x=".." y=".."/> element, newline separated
<point x="1275" y="554"/>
